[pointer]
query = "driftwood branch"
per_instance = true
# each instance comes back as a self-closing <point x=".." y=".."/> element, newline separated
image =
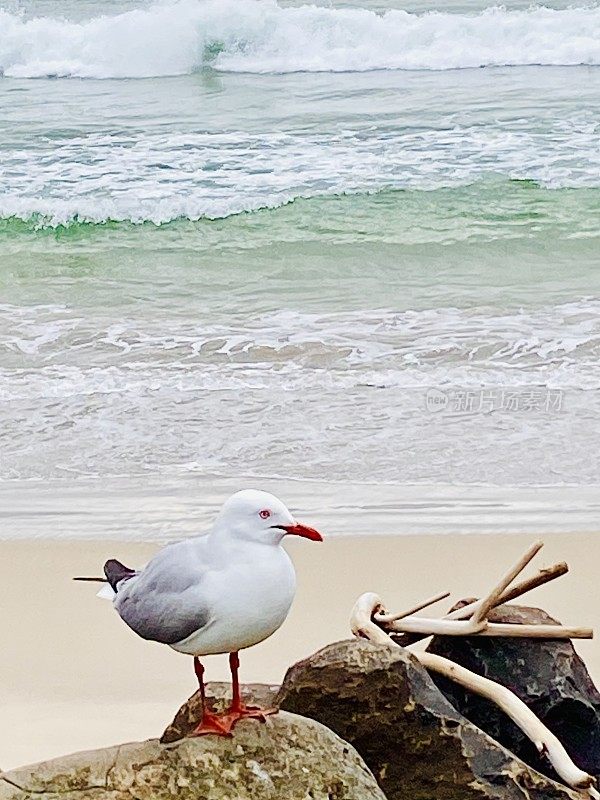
<point x="453" y="627"/>
<point x="472" y="620"/>
<point x="484" y="606"/>
<point x="539" y="579"/>
<point x="362" y="624"/>
<point x="543" y="739"/>
<point x="542" y="577"/>
<point x="449" y="627"/>
<point x="414" y="610"/>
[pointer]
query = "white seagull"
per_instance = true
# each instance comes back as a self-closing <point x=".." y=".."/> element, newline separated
<point x="217" y="593"/>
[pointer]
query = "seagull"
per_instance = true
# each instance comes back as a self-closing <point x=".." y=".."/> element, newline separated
<point x="217" y="593"/>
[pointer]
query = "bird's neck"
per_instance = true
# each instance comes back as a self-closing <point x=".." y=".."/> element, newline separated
<point x="238" y="535"/>
<point x="232" y="545"/>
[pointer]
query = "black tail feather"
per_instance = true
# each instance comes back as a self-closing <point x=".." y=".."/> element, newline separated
<point x="116" y="572"/>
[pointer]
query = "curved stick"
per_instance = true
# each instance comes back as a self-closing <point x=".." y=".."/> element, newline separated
<point x="545" y="741"/>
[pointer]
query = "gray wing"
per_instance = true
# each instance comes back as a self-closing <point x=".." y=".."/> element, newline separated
<point x="164" y="602"/>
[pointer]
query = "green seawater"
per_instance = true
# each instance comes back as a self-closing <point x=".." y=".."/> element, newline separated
<point x="493" y="241"/>
<point x="259" y="243"/>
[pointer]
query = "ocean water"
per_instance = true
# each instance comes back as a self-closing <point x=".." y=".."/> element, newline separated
<point x="347" y="243"/>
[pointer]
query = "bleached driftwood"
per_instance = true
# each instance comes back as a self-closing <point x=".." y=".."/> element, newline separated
<point x="381" y="617"/>
<point x="472" y="619"/>
<point x="544" y="740"/>
<point x="370" y="620"/>
<point x="456" y="627"/>
<point x="450" y="627"/>
<point x="485" y="605"/>
<point x="541" y="577"/>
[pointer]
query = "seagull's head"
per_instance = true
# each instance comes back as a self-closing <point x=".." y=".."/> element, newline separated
<point x="257" y="516"/>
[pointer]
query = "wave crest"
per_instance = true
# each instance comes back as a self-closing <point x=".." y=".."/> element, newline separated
<point x="260" y="36"/>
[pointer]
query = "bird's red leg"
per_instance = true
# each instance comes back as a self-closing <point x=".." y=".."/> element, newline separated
<point x="211" y="722"/>
<point x="238" y="710"/>
<point x="234" y="666"/>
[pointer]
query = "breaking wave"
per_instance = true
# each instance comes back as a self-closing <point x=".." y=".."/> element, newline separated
<point x="259" y="36"/>
<point x="482" y="210"/>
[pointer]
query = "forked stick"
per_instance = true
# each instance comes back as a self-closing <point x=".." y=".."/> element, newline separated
<point x="477" y="621"/>
<point x="545" y="741"/>
<point x="539" y="579"/>
<point x="512" y="593"/>
<point x="486" y="604"/>
<point x="424" y="626"/>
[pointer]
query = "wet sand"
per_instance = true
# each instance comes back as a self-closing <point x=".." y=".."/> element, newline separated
<point x="73" y="677"/>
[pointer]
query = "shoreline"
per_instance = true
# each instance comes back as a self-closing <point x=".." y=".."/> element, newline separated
<point x="163" y="508"/>
<point x="74" y="677"/>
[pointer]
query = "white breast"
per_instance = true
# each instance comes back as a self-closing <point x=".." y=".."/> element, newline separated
<point x="249" y="598"/>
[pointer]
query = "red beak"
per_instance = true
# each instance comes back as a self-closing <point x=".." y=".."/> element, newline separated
<point x="303" y="530"/>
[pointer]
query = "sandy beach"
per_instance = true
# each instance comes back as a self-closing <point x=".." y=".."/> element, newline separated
<point x="73" y="677"/>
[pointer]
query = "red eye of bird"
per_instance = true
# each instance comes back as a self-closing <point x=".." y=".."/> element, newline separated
<point x="264" y="514"/>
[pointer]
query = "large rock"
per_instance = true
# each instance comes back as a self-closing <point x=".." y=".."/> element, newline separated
<point x="417" y="745"/>
<point x="547" y="675"/>
<point x="286" y="758"/>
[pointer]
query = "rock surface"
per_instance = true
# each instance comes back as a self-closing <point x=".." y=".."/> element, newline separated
<point x="287" y="758"/>
<point x="417" y="745"/>
<point x="218" y="695"/>
<point x="547" y="675"/>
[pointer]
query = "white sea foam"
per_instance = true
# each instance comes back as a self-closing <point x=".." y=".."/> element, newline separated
<point x="260" y="36"/>
<point x="286" y="392"/>
<point x="540" y="338"/>
<point x="96" y="177"/>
